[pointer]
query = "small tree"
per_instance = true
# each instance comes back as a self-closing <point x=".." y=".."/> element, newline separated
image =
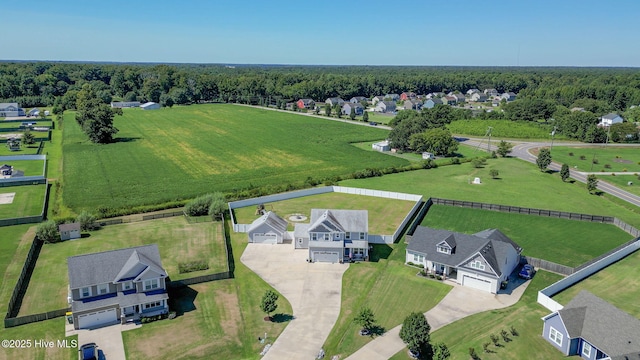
<point x="441" y="351"/>
<point x="365" y="318"/>
<point x="415" y="332"/>
<point x="269" y="302"/>
<point x="338" y="111"/>
<point x="365" y="116"/>
<point x="87" y="221"/>
<point x="327" y="109"/>
<point x="494" y="173"/>
<point x="48" y="232"/>
<point x="544" y="159"/>
<point x="199" y="206"/>
<point x="352" y="114"/>
<point x="564" y="172"/>
<point x="592" y="183"/>
<point x="495" y="339"/>
<point x="504" y="148"/>
<point x="218" y="204"/>
<point x="28" y="138"/>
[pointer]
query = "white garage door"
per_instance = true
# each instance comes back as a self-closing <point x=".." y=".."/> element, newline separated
<point x="97" y="319"/>
<point x="326" y="256"/>
<point x="265" y="239"/>
<point x="476" y="283"/>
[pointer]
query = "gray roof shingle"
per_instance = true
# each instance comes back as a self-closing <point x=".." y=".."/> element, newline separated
<point x="340" y="220"/>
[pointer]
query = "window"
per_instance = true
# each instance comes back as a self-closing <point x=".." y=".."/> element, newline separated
<point x="327" y="237"/>
<point x="127" y="286"/>
<point x="477" y="265"/>
<point x="444" y="249"/>
<point x="362" y="236"/>
<point x="152" y="305"/>
<point x="314" y="236"/>
<point x="586" y="349"/>
<point x="555" y="336"/>
<point x="85" y="292"/>
<point x="151" y="284"/>
<point x="418" y="258"/>
<point x="103" y="289"/>
<point x="347" y="236"/>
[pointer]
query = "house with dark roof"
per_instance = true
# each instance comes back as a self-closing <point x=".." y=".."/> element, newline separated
<point x="306" y="104"/>
<point x="357" y="108"/>
<point x="268" y="229"/>
<point x="392" y="97"/>
<point x="449" y="100"/>
<point x="412" y="104"/>
<point x="509" y="96"/>
<point x="482" y="260"/>
<point x="490" y="92"/>
<point x="478" y="97"/>
<point x="110" y="286"/>
<point x="386" y="106"/>
<point x="592" y="328"/>
<point x="334" y="101"/>
<point x="11" y="109"/>
<point x="377" y="99"/>
<point x="610" y="119"/>
<point x="358" y="99"/>
<point x="334" y="235"/>
<point x="430" y="103"/>
<point x="407" y="95"/>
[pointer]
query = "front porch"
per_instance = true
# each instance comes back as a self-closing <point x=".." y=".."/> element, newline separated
<point x="356" y="251"/>
<point x="447" y="272"/>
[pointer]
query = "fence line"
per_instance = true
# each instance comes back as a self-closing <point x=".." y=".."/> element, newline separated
<point x="548" y="265"/>
<point x="626" y="227"/>
<point x="23" y="280"/>
<point x="27" y="319"/>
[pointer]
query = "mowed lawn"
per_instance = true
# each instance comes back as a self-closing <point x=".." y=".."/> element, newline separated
<point x="462" y="152"/>
<point x="177" y="240"/>
<point x="618" y="284"/>
<point x="29" y="167"/>
<point x="390" y="288"/>
<point x="622" y="181"/>
<point x="619" y="158"/>
<point x="14" y="247"/>
<point x="502" y="129"/>
<point x="519" y="184"/>
<point x="217" y="320"/>
<point x="524" y="316"/>
<point x="566" y="242"/>
<point x="181" y="152"/>
<point x="385" y="215"/>
<point x="27" y="201"/>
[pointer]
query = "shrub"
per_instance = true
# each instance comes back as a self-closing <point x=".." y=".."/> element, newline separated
<point x="595" y="161"/>
<point x="87" y="221"/>
<point x="191" y="266"/>
<point x="199" y="206"/>
<point x="478" y="162"/>
<point x="438" y="277"/>
<point x="625" y="169"/>
<point x="582" y="157"/>
<point x="513" y="330"/>
<point x="48" y="232"/>
<point x="570" y="154"/>
<point x="494" y="339"/>
<point x="472" y="353"/>
<point x="607" y="166"/>
<point x="455" y="161"/>
<point x="494" y="173"/>
<point x="485" y="347"/>
<point x="505" y="336"/>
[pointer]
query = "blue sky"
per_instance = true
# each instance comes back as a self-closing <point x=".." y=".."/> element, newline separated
<point x="463" y="32"/>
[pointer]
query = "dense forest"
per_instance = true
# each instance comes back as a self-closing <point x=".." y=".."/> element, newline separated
<point x="543" y="93"/>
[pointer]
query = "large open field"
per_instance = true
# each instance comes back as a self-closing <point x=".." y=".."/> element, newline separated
<point x="182" y="152"/>
<point x="384" y="214"/>
<point x="502" y="129"/>
<point x="463" y="152"/>
<point x="618" y="284"/>
<point x="520" y="184"/>
<point x="622" y="181"/>
<point x="618" y="158"/>
<point x="562" y="241"/>
<point x="178" y="241"/>
<point x="28" y="201"/>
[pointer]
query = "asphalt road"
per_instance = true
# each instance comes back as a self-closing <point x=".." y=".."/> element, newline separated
<point x="522" y="150"/>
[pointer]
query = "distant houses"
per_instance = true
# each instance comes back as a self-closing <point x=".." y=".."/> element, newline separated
<point x="508" y="96"/>
<point x="10" y="110"/>
<point x="306" y="104"/>
<point x="357" y="108"/>
<point x="430" y="103"/>
<point x="333" y="101"/>
<point x="386" y="106"/>
<point x="150" y="106"/>
<point x="610" y="119"/>
<point x="381" y="146"/>
<point x="358" y="99"/>
<point x="125" y="104"/>
<point x="412" y="104"/>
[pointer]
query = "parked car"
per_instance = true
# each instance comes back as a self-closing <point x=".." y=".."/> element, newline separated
<point x="89" y="351"/>
<point x="414" y="354"/>
<point x="373" y="123"/>
<point x="526" y="272"/>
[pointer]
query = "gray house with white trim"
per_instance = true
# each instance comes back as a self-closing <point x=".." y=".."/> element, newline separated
<point x="11" y="109"/>
<point x="592" y="328"/>
<point x="106" y="287"/>
<point x="268" y="229"/>
<point x="334" y="235"/>
<point x="481" y="261"/>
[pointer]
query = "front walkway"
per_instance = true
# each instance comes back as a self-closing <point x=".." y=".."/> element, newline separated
<point x="108" y="339"/>
<point x="313" y="289"/>
<point x="459" y="303"/>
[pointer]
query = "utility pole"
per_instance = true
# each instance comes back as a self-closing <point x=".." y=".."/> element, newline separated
<point x="553" y="134"/>
<point x="489" y="142"/>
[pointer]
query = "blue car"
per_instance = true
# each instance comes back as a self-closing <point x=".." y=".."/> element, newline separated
<point x="526" y="272"/>
<point x="89" y="351"/>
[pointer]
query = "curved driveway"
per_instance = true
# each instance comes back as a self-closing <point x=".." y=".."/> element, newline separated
<point x="314" y="291"/>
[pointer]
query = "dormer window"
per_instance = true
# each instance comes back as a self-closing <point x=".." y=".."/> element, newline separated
<point x="477" y="265"/>
<point x="151" y="284"/>
<point x="327" y="237"/>
<point x="444" y="249"/>
<point x="103" y="289"/>
<point x="127" y="286"/>
<point x="85" y="292"/>
<point x="314" y="236"/>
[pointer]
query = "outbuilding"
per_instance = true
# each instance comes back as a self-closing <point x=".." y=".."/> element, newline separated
<point x="150" y="106"/>
<point x="268" y="229"/>
<point x="69" y="231"/>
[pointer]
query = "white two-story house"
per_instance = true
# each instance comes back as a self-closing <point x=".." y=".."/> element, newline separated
<point x="106" y="287"/>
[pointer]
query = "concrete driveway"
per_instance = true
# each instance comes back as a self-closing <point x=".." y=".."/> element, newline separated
<point x="108" y="339"/>
<point x="459" y="303"/>
<point x="314" y="291"/>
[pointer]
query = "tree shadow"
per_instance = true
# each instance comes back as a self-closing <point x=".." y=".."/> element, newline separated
<point x="84" y="235"/>
<point x="181" y="299"/>
<point x="380" y="251"/>
<point x="377" y="330"/>
<point x="125" y="139"/>
<point x="280" y="318"/>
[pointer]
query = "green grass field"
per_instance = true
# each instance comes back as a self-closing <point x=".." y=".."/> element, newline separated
<point x="178" y="241"/>
<point x="463" y="152"/>
<point x="618" y="284"/>
<point x="619" y="158"/>
<point x="49" y="330"/>
<point x="562" y="241"/>
<point x="24" y="150"/>
<point x="11" y="125"/>
<point x="622" y="181"/>
<point x="29" y="167"/>
<point x="502" y="129"/>
<point x="383" y="119"/>
<point x="28" y="201"/>
<point x="392" y="291"/>
<point x="182" y="152"/>
<point x="225" y="322"/>
<point x="384" y="214"/>
<point x="520" y="184"/>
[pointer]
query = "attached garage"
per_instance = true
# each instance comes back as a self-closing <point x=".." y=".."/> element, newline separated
<point x="477" y="283"/>
<point x="265" y="238"/>
<point x="98" y="318"/>
<point x="326" y="256"/>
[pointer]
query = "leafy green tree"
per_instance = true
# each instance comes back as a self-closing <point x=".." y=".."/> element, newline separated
<point x="269" y="302"/>
<point x="48" y="232"/>
<point x="624" y="132"/>
<point x="28" y="138"/>
<point x="352" y="114"/>
<point x="564" y="172"/>
<point x="87" y="221"/>
<point x="166" y="100"/>
<point x="365" y="318"/>
<point x="218" y="204"/>
<point x="327" y="109"/>
<point x="365" y="116"/>
<point x="544" y="159"/>
<point x="415" y="333"/>
<point x="441" y="351"/>
<point x="338" y="110"/>
<point x="592" y="183"/>
<point x="95" y="117"/>
<point x="504" y="148"/>
<point x="439" y="142"/>
<point x="494" y="173"/>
